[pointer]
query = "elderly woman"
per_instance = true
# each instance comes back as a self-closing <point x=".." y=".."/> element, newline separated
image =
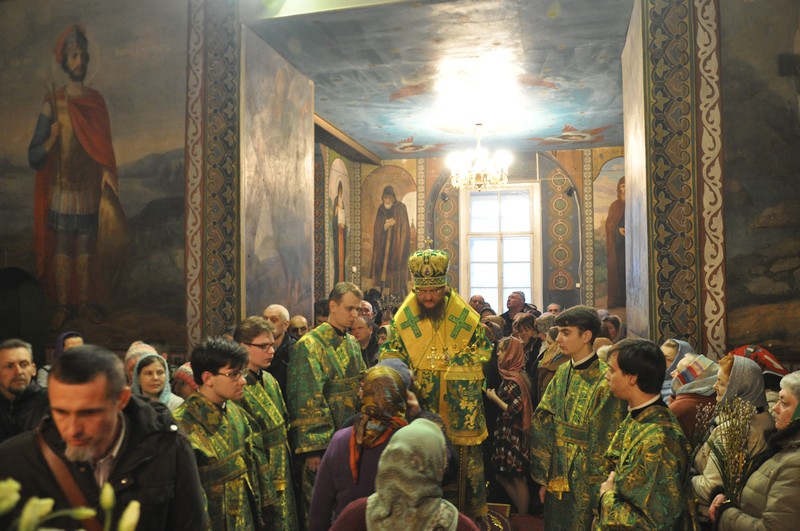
<point x="151" y="380"/>
<point x="737" y="377"/>
<point x="674" y="350"/>
<point x="693" y="386"/>
<point x="770" y="496"/>
<point x="408" y="493"/>
<point x="348" y="468"/>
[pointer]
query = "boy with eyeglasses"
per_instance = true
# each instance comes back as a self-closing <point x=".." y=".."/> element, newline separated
<point x="234" y="469"/>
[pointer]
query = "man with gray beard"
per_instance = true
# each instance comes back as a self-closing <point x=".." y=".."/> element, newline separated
<point x="102" y="434"/>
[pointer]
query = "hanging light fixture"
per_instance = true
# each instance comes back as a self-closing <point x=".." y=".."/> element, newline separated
<point x="476" y="169"/>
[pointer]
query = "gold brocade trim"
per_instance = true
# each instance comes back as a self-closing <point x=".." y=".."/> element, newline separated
<point x="307" y="449"/>
<point x="467" y="437"/>
<point x="464" y="372"/>
<point x="224" y="470"/>
<point x="308" y="421"/>
<point x="558" y="485"/>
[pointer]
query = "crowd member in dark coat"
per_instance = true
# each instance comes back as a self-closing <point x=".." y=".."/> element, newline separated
<point x="516" y="304"/>
<point x="22" y="402"/>
<point x="104" y="435"/>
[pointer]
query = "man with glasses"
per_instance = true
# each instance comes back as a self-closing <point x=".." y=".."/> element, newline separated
<point x="264" y="402"/>
<point x="439" y="336"/>
<point x="234" y="470"/>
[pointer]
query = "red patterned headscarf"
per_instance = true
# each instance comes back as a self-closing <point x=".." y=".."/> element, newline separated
<point x="383" y="411"/>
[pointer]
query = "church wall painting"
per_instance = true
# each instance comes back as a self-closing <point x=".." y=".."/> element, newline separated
<point x="609" y="221"/>
<point x="277" y="181"/>
<point x="339" y="221"/>
<point x="761" y="133"/>
<point x="138" y="73"/>
<point x="388" y="229"/>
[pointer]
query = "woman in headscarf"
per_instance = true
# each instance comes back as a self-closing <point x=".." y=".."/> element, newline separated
<point x="693" y="386"/>
<point x="348" y="468"/>
<point x="737" y="377"/>
<point x="511" y="459"/>
<point x="771" y="368"/>
<point x="64" y="342"/>
<point x="151" y="380"/>
<point x="408" y="493"/>
<point x="769" y="498"/>
<point x="183" y="383"/>
<point x="674" y="350"/>
<point x="549" y="363"/>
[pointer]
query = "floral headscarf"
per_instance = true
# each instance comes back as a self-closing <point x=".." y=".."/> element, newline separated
<point x="408" y="487"/>
<point x="383" y="411"/>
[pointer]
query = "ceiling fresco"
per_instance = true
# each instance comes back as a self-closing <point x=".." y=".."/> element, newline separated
<point x="412" y="80"/>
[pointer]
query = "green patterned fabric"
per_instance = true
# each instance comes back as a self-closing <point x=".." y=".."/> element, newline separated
<point x="264" y="402"/>
<point x="650" y="456"/>
<point x="447" y="359"/>
<point x="322" y="386"/>
<point x="570" y="432"/>
<point x="233" y="467"/>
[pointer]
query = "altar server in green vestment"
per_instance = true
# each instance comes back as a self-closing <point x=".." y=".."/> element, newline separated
<point x="263" y="400"/>
<point x="323" y="380"/>
<point x="226" y="440"/>
<point x="439" y="336"/>
<point x="648" y="458"/>
<point x="573" y="425"/>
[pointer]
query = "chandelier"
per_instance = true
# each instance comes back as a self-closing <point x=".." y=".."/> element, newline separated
<point x="476" y="169"/>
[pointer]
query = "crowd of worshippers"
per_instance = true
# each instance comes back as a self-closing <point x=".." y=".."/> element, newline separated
<point x="413" y="424"/>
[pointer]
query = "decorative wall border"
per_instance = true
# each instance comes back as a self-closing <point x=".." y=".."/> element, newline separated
<point x="195" y="155"/>
<point x="222" y="245"/>
<point x="355" y="223"/>
<point x="319" y="216"/>
<point x="712" y="238"/>
<point x="587" y="218"/>
<point x="421" y="244"/>
<point x="670" y="130"/>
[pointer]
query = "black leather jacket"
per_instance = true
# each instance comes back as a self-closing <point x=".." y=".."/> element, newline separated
<point x="155" y="466"/>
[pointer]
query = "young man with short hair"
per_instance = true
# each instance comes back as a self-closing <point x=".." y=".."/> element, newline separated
<point x="225" y="439"/>
<point x="264" y="402"/>
<point x="572" y="426"/>
<point x="323" y="386"/>
<point x="649" y="455"/>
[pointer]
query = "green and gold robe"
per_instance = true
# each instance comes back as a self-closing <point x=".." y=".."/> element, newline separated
<point x="264" y="402"/>
<point x="323" y="385"/>
<point x="447" y="359"/>
<point x="233" y="467"/>
<point x="650" y="458"/>
<point x="571" y="429"/>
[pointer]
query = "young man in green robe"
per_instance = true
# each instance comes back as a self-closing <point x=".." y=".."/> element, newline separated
<point x="263" y="400"/>
<point x="226" y="442"/>
<point x="439" y="336"/>
<point x="323" y="380"/>
<point x="649" y="455"/>
<point x="573" y="425"/>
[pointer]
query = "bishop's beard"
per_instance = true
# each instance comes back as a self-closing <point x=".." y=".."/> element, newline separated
<point x="434" y="314"/>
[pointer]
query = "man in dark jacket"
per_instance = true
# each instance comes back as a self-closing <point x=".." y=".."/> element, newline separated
<point x="22" y="402"/>
<point x="104" y="435"/>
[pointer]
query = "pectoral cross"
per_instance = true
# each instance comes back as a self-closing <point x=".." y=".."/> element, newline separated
<point x="460" y="323"/>
<point x="411" y="322"/>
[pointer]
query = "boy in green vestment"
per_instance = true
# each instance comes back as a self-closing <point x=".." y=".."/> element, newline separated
<point x="263" y="400"/>
<point x="649" y="456"/>
<point x="226" y="440"/>
<point x="573" y="425"/>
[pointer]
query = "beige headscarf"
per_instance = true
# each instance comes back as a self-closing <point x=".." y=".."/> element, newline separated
<point x="408" y="491"/>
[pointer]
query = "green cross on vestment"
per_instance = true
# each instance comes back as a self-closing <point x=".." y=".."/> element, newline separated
<point x="411" y="322"/>
<point x="460" y="322"/>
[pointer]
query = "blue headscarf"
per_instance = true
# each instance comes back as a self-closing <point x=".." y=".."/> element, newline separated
<point x="136" y="386"/>
<point x="684" y="348"/>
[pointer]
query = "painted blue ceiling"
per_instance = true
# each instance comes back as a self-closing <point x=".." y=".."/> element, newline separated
<point x="378" y="72"/>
